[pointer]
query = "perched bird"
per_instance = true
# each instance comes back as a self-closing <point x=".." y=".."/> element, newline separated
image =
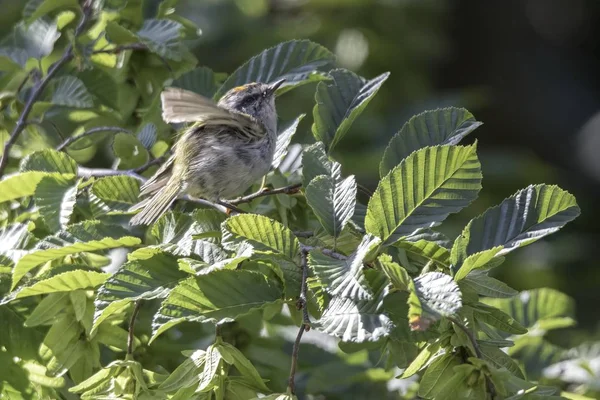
<point x="229" y="146"/>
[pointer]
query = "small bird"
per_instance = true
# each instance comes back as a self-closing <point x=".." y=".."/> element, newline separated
<point x="228" y="147"/>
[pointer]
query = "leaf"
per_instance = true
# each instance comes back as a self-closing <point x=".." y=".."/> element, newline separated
<point x="339" y="102"/>
<point x="533" y="308"/>
<point x="429" y="251"/>
<point x="344" y="278"/>
<point x="332" y="201"/>
<point x="500" y="359"/>
<point x="64" y="282"/>
<point x="423" y="190"/>
<point x="201" y="80"/>
<point x="487" y="286"/>
<point x="56" y="196"/>
<point x="519" y="220"/>
<point x="175" y="233"/>
<point x="397" y="275"/>
<point x="358" y="320"/>
<point x="284" y="138"/>
<point x="438" y="296"/>
<point x="212" y="365"/>
<point x="243" y="365"/>
<point x="49" y="160"/>
<point x="86" y="236"/>
<point x="21" y="184"/>
<point x="70" y="91"/>
<point x="444" y="126"/>
<point x="130" y="151"/>
<point x="219" y="296"/>
<point x="264" y="234"/>
<point x="428" y="351"/>
<point x="438" y="373"/>
<point x="149" y="278"/>
<point x="163" y="37"/>
<point x="315" y="162"/>
<point x="476" y="261"/>
<point x="147" y="135"/>
<point x="38" y="8"/>
<point x="498" y="319"/>
<point x="115" y="194"/>
<point x="297" y="61"/>
<point x="35" y="40"/>
<point x="186" y="374"/>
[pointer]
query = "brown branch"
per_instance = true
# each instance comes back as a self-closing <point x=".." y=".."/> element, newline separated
<point x="130" y="336"/>
<point x="291" y="189"/>
<point x="39" y="87"/>
<point x="489" y="384"/>
<point x="89" y="132"/>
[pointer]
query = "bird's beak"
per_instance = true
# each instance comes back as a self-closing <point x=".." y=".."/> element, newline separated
<point x="275" y="85"/>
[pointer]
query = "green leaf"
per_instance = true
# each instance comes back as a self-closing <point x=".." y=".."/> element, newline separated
<point x="500" y="359"/>
<point x="147" y="135"/>
<point x="427" y="251"/>
<point x="344" y="278"/>
<point x="264" y="234"/>
<point x="103" y="87"/>
<point x="421" y="360"/>
<point x="397" y="275"/>
<point x="476" y="261"/>
<point x="115" y="194"/>
<point x="163" y="37"/>
<point x="35" y="40"/>
<point x="298" y="61"/>
<point x="117" y="34"/>
<point x="49" y="160"/>
<point x="339" y="102"/>
<point x="284" y="138"/>
<point x="86" y="236"/>
<point x="243" y="365"/>
<point x="332" y="201"/>
<point x="130" y="151"/>
<point x="38" y="8"/>
<point x="175" y="233"/>
<point x="315" y="162"/>
<point x="437" y="374"/>
<point x="535" y="353"/>
<point x="48" y="309"/>
<point x="519" y="220"/>
<point x="138" y="279"/>
<point x="64" y="282"/>
<point x="201" y="80"/>
<point x="70" y="91"/>
<point x="218" y="296"/>
<point x="358" y="320"/>
<point x="186" y="374"/>
<point x="444" y="126"/>
<point x="212" y="364"/>
<point x="533" y="308"/>
<point x="438" y="296"/>
<point x="55" y="197"/>
<point x="498" y="319"/>
<point x="423" y="190"/>
<point x="484" y="285"/>
<point x="21" y="184"/>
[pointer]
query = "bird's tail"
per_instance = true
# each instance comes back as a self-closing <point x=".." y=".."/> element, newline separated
<point x="156" y="205"/>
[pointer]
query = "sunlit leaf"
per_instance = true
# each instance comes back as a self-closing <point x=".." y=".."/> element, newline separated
<point x="284" y="138"/>
<point x="332" y="201"/>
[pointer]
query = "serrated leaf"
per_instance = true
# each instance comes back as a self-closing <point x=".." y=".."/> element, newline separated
<point x="488" y="286"/>
<point x="444" y="126"/>
<point x="423" y="190"/>
<point x="332" y="201"/>
<point x="55" y="197"/>
<point x="438" y="296"/>
<point x="115" y="194"/>
<point x="498" y="319"/>
<point x="186" y="374"/>
<point x="476" y="261"/>
<point x="243" y="365"/>
<point x="87" y="236"/>
<point x="344" y="278"/>
<point x="429" y="251"/>
<point x="339" y="102"/>
<point x="103" y="86"/>
<point x="70" y="91"/>
<point x="500" y="359"/>
<point x="219" y="296"/>
<point x="201" y="80"/>
<point x="209" y="375"/>
<point x="438" y="372"/>
<point x="49" y="160"/>
<point x="64" y="282"/>
<point x="284" y="137"/>
<point x="397" y="275"/>
<point x="519" y="220"/>
<point x="35" y="40"/>
<point x="264" y="234"/>
<point x="297" y="61"/>
<point x="147" y="135"/>
<point x="315" y="162"/>
<point x="163" y="36"/>
<point x="358" y="320"/>
<point x="138" y="279"/>
<point x="21" y="184"/>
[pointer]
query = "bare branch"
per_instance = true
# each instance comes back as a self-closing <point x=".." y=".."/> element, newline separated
<point x="266" y="192"/>
<point x="89" y="132"/>
<point x="38" y="88"/>
<point x="130" y="336"/>
<point x="84" y="172"/>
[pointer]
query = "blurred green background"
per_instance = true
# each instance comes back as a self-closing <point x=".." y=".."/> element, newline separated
<point x="526" y="68"/>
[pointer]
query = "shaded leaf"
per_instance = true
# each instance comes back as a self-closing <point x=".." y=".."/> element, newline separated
<point x="115" y="194"/>
<point x="332" y="201"/>
<point x="70" y="91"/>
<point x="437" y="374"/>
<point x="147" y="135"/>
<point x="163" y="36"/>
<point x="201" y="80"/>
<point x="315" y="162"/>
<point x="49" y="160"/>
<point x="56" y="196"/>
<point x="130" y="151"/>
<point x="284" y="138"/>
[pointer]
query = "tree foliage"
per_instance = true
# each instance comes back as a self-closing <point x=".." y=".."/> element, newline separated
<point x="206" y="305"/>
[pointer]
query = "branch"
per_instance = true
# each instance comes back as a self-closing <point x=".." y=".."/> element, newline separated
<point x="490" y="385"/>
<point x="266" y="192"/>
<point x="150" y="163"/>
<point x="305" y="326"/>
<point x="130" y="336"/>
<point x="84" y="172"/>
<point x="304" y="234"/>
<point x="325" y="251"/>
<point x="97" y="129"/>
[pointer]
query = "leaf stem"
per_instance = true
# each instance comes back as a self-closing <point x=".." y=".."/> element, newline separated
<point x="490" y="385"/>
<point x="291" y="189"/>
<point x="89" y="132"/>
<point x="130" y="336"/>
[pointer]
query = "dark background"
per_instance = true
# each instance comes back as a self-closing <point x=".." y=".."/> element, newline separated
<point x="526" y="68"/>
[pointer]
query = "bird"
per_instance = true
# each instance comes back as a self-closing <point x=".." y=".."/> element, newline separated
<point x="228" y="146"/>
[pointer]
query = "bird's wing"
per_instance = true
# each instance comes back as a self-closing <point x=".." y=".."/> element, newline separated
<point x="179" y="105"/>
<point x="159" y="179"/>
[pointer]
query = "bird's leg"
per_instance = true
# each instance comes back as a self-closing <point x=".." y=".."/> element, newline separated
<point x="230" y="207"/>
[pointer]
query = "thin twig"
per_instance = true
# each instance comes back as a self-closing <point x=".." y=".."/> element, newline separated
<point x="325" y="251"/>
<point x="84" y="172"/>
<point x="266" y="192"/>
<point x="305" y="326"/>
<point x="130" y="336"/>
<point x="39" y="88"/>
<point x="490" y="385"/>
<point x="304" y="234"/>
<point x="89" y="132"/>
<point x="150" y="163"/>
